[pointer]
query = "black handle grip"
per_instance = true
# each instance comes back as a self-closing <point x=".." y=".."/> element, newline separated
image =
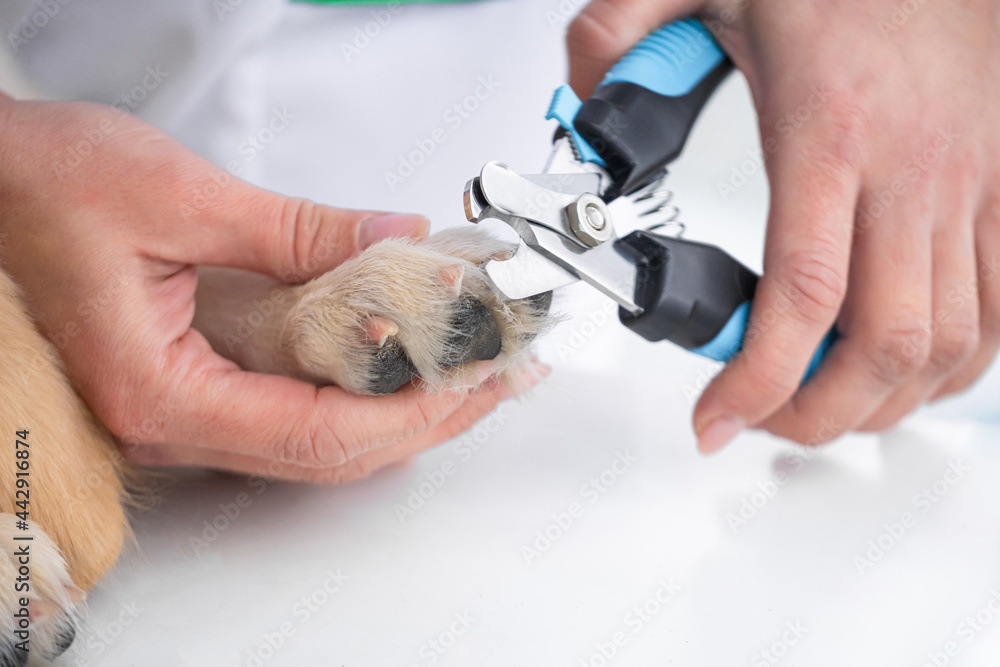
<point x="638" y="132"/>
<point x="696" y="296"/>
<point x="688" y="291"/>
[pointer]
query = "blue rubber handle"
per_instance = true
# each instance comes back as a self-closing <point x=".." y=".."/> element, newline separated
<point x="671" y="61"/>
<point x="693" y="292"/>
<point x="729" y="341"/>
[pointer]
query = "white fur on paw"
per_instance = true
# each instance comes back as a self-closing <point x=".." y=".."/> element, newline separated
<point x="34" y="572"/>
<point x="402" y="294"/>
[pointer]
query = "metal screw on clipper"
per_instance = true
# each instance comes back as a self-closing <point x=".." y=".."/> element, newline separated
<point x="594" y="217"/>
<point x="589" y="219"/>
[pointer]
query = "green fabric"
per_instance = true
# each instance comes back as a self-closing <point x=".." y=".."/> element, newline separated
<point x="370" y="2"/>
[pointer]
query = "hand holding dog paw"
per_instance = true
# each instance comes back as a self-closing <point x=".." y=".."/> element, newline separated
<point x="104" y="219"/>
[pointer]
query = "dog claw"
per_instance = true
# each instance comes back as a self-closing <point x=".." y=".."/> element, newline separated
<point x="378" y="329"/>
<point x="452" y="278"/>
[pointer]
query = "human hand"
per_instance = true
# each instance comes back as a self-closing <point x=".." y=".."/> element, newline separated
<point x="103" y="221"/>
<point x="882" y="150"/>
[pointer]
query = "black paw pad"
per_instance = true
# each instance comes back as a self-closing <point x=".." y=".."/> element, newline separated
<point x="64" y="639"/>
<point x="475" y="337"/>
<point x="12" y="657"/>
<point x="391" y="368"/>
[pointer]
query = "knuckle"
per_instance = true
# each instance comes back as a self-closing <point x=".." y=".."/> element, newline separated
<point x="287" y="450"/>
<point x="318" y="443"/>
<point x="898" y="352"/>
<point x="302" y="224"/>
<point x="773" y="378"/>
<point x="803" y="425"/>
<point x="816" y="284"/>
<point x="954" y="344"/>
<point x="818" y="430"/>
<point x="846" y="132"/>
<point x="832" y="126"/>
<point x="422" y="414"/>
<point x="138" y="423"/>
<point x="967" y="167"/>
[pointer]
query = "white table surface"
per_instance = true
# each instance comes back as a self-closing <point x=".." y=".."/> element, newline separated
<point x="457" y="575"/>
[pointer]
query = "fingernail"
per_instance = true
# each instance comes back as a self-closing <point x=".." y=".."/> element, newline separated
<point x="392" y="225"/>
<point x="719" y="433"/>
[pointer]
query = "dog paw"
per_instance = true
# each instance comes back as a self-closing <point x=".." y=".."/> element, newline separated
<point x="38" y="600"/>
<point x="402" y="310"/>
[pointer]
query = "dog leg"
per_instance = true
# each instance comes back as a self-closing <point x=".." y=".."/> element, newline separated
<point x="38" y="605"/>
<point x="65" y="473"/>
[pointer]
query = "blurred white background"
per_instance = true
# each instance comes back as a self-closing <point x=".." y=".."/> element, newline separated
<point x="873" y="551"/>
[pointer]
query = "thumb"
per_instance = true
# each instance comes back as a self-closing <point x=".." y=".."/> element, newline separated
<point x="287" y="238"/>
<point x="605" y="31"/>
